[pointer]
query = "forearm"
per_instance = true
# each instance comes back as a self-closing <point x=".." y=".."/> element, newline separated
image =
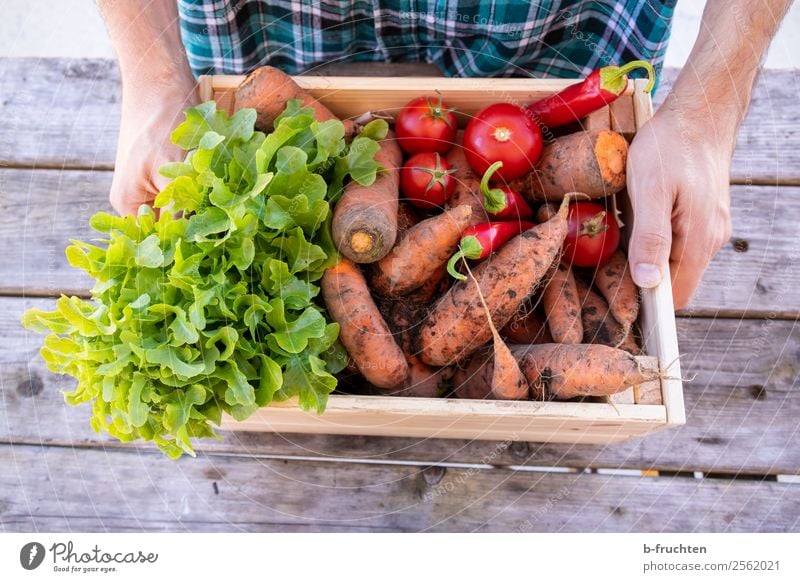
<point x="146" y="39"/>
<point x="715" y="86"/>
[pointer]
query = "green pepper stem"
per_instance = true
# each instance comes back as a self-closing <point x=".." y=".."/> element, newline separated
<point x="451" y="265"/>
<point x="633" y="65"/>
<point x="494" y="199"/>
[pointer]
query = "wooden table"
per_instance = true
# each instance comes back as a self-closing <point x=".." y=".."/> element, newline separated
<point x="734" y="467"/>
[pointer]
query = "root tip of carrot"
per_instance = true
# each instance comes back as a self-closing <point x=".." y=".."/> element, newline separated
<point x="362" y="242"/>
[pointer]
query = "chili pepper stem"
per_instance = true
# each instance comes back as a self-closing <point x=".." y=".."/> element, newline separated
<point x="611" y="76"/>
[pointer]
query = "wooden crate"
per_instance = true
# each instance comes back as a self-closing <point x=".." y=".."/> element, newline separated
<point x="638" y="411"/>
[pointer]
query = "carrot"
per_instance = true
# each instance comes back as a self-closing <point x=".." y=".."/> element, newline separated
<point x="527" y="326"/>
<point x="561" y="372"/>
<point x="592" y="162"/>
<point x="615" y="283"/>
<point x="364" y="223"/>
<point x="267" y="90"/>
<point x="467" y="189"/>
<point x="599" y="326"/>
<point x="364" y="333"/>
<point x="561" y="305"/>
<point x="508" y="382"/>
<point x="474" y="380"/>
<point x="421" y="252"/>
<point x="456" y="327"/>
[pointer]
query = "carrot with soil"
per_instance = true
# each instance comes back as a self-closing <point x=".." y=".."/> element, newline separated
<point x="561" y="372"/>
<point x="363" y="332"/>
<point x="456" y="325"/>
<point x="268" y="89"/>
<point x="599" y="326"/>
<point x="423" y="250"/>
<point x="592" y="162"/>
<point x="508" y="382"/>
<point x="364" y="223"/>
<point x="562" y="307"/>
<point x="614" y="281"/>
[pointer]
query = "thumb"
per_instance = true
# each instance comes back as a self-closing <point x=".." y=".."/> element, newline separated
<point x="651" y="238"/>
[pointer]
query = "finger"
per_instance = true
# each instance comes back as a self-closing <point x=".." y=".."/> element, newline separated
<point x="696" y="241"/>
<point x="651" y="238"/>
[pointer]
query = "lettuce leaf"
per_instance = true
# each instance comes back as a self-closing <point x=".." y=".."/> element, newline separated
<point x="212" y="305"/>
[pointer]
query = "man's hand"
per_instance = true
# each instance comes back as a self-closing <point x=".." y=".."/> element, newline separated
<point x="678" y="184"/>
<point x="149" y="114"/>
<point x="157" y="85"/>
<point x="680" y="161"/>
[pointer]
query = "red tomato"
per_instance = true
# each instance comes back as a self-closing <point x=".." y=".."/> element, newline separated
<point x="426" y="180"/>
<point x="426" y="124"/>
<point x="503" y="133"/>
<point x="592" y="235"/>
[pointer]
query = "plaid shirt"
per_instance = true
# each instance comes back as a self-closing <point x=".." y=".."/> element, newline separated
<point x="469" y="38"/>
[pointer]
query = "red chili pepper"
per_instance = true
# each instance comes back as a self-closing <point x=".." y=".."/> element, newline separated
<point x="503" y="203"/>
<point x="600" y="88"/>
<point x="481" y="240"/>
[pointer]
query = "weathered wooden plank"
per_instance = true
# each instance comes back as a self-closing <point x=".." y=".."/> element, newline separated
<point x="41" y="210"/>
<point x="59" y="112"/>
<point x="64" y="112"/>
<point x="95" y="490"/>
<point x="742" y="409"/>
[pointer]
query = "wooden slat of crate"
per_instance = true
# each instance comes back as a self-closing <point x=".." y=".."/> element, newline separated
<point x="142" y="492"/>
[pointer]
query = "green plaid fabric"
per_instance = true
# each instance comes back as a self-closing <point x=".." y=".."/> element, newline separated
<point x="468" y="38"/>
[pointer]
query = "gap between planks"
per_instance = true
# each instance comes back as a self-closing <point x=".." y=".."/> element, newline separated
<point x="699" y="474"/>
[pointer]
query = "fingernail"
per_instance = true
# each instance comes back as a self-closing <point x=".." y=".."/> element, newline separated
<point x="646" y="275"/>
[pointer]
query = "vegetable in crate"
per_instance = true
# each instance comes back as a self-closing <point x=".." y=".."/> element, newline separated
<point x="424" y="249"/>
<point x="591" y="162"/>
<point x="212" y="307"/>
<point x="481" y="240"/>
<point x="426" y="124"/>
<point x="426" y="181"/>
<point x="592" y="235"/>
<point x="467" y="186"/>
<point x="503" y="203"/>
<point x="503" y="133"/>
<point x="365" y="218"/>
<point x="456" y="325"/>
<point x="601" y="87"/>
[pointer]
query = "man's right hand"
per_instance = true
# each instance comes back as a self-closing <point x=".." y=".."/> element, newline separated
<point x="150" y="111"/>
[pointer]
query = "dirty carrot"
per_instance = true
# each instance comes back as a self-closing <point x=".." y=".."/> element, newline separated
<point x="599" y="326"/>
<point x="508" y="381"/>
<point x="267" y="90"/>
<point x="363" y="331"/>
<point x="456" y="325"/>
<point x="421" y="252"/>
<point x="562" y="307"/>
<point x="561" y="372"/>
<point x="601" y="87"/>
<point x="481" y="240"/>
<point x="614" y="281"/>
<point x="591" y="162"/>
<point x="364" y="223"/>
<point x="474" y="379"/>
<point x="503" y="203"/>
